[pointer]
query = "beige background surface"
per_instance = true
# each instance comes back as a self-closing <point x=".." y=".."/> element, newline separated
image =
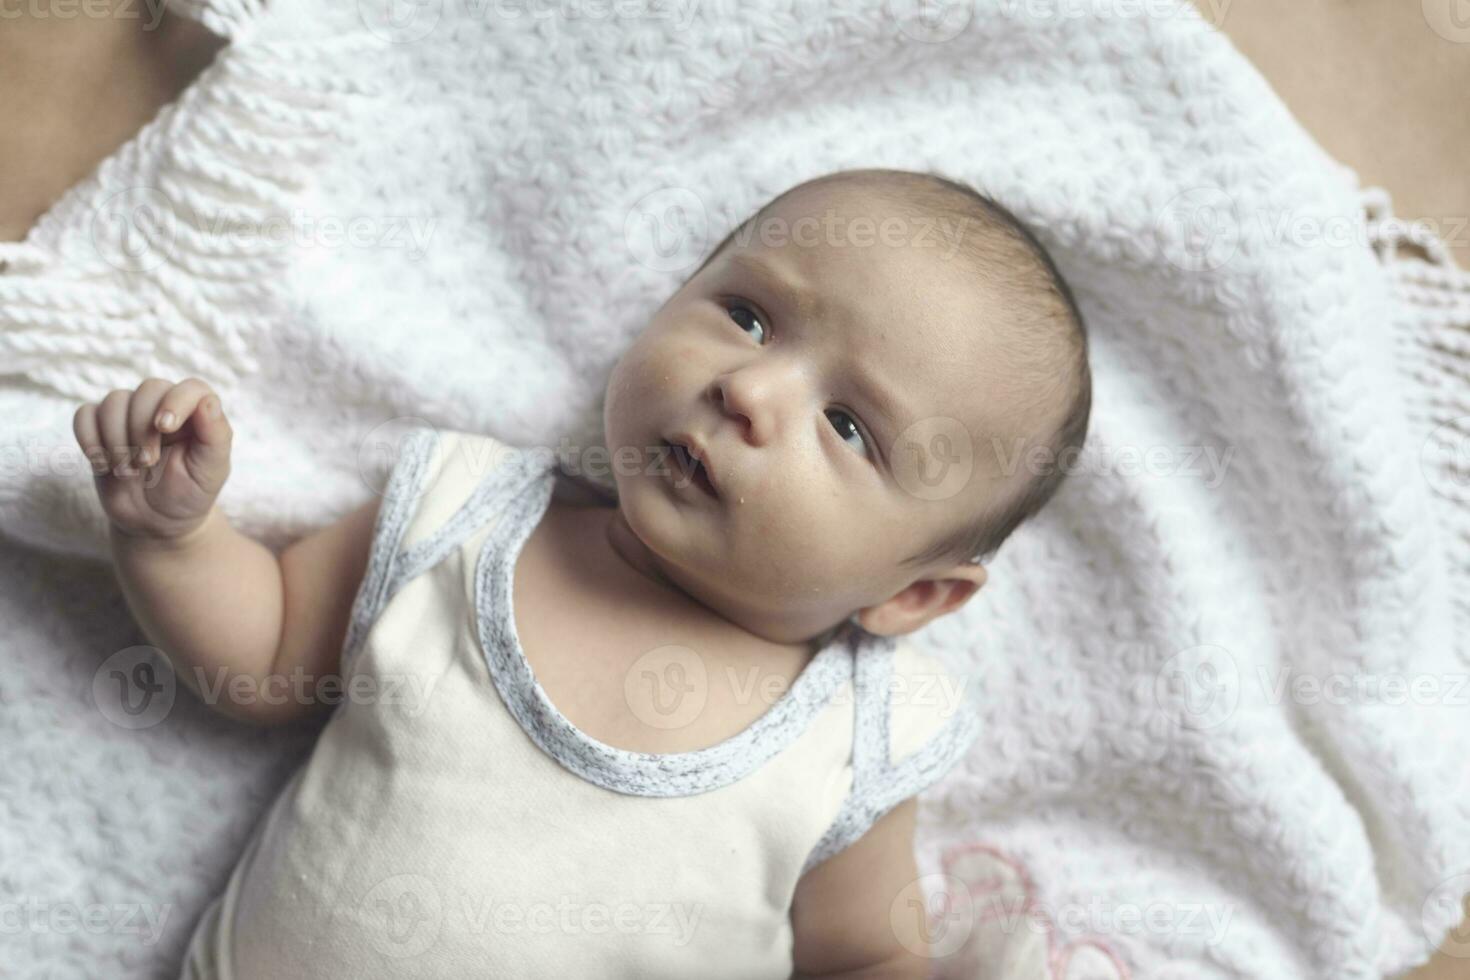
<point x="1384" y="87"/>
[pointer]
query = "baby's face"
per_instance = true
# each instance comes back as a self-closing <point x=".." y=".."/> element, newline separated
<point x="822" y="377"/>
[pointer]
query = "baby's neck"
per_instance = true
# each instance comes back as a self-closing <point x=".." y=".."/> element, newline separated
<point x="608" y="547"/>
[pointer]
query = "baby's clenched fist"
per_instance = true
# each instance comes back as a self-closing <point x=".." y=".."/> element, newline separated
<point x="160" y="455"/>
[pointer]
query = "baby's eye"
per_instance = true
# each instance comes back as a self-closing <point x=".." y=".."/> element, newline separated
<point x="744" y="316"/>
<point x="851" y="424"/>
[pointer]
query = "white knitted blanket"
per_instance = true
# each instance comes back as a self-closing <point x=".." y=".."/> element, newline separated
<point x="1224" y="674"/>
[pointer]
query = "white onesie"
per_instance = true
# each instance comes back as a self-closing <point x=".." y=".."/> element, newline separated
<point x="451" y="822"/>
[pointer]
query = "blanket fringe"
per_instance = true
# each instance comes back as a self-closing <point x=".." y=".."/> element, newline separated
<point x="161" y="275"/>
<point x="1432" y="345"/>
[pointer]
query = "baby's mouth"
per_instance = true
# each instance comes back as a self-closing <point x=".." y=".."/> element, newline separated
<point x="691" y="468"/>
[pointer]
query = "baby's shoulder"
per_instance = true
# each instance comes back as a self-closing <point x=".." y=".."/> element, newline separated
<point x="927" y="701"/>
<point x="440" y="474"/>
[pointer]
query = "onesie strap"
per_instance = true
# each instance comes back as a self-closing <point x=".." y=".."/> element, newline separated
<point x="401" y="495"/>
<point x="428" y="479"/>
<point x="911" y="725"/>
<point x="501" y="484"/>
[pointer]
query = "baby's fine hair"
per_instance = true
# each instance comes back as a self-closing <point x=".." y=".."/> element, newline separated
<point x="1045" y="331"/>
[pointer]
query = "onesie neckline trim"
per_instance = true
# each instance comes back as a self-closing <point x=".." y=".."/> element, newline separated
<point x="621" y="770"/>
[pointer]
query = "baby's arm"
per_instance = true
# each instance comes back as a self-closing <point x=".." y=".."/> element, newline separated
<point x="221" y="605"/>
<point x="843" y="913"/>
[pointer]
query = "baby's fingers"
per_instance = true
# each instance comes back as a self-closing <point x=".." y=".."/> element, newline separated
<point x="179" y="403"/>
<point x="84" y="427"/>
<point x="112" y="429"/>
<point x="192" y="401"/>
<point x="143" y="438"/>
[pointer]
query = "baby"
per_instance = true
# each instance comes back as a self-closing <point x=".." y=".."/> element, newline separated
<point x="674" y="733"/>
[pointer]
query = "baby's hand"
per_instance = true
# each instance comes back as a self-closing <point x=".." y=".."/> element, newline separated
<point x="178" y="434"/>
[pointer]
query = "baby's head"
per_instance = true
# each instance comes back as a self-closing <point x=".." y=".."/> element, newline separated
<point x="868" y="363"/>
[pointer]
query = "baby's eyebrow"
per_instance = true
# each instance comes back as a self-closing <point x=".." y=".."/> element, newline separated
<point x="878" y="393"/>
<point x="791" y="289"/>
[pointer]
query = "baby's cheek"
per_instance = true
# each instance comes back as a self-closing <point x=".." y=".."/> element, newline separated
<point x="805" y="542"/>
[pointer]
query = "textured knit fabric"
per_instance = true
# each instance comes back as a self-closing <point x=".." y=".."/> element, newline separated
<point x="483" y="209"/>
<point x="451" y="822"/>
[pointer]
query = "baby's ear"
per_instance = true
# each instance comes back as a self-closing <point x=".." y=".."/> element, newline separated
<point x="923" y="601"/>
